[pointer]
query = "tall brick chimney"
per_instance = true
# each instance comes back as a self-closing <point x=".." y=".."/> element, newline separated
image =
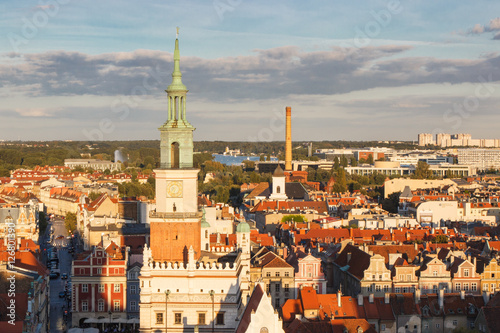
<point x="288" y="152"/>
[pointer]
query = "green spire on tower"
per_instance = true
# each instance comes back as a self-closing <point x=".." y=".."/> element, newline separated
<point x="176" y="84"/>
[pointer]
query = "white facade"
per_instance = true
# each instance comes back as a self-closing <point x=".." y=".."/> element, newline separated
<point x="189" y="300"/>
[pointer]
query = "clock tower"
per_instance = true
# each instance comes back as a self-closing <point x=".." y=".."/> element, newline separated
<point x="175" y="224"/>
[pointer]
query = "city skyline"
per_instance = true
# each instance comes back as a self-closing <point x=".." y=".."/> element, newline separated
<point x="384" y="71"/>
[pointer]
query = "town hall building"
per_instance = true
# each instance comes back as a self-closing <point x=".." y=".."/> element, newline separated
<point x="183" y="285"/>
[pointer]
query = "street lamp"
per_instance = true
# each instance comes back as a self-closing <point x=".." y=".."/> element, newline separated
<point x="109" y="312"/>
<point x="212" y="293"/>
<point x="167" y="293"/>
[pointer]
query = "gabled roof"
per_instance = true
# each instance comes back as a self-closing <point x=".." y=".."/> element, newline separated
<point x="277" y="263"/>
<point x="252" y="305"/>
<point x="26" y="260"/>
<point x="261" y="190"/>
<point x="404" y="304"/>
<point x="358" y="262"/>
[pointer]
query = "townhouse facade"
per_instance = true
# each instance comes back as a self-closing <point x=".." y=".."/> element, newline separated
<point x="99" y="283"/>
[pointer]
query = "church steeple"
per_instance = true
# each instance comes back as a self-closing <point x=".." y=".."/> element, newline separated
<point x="177" y="133"/>
<point x="176" y="84"/>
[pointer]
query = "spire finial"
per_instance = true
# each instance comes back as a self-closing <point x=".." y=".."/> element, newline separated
<point x="177" y="34"/>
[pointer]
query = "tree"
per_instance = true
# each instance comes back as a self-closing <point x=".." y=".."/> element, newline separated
<point x="369" y="160"/>
<point x="248" y="165"/>
<point x="343" y="161"/>
<point x="70" y="221"/>
<point x="293" y="217"/>
<point x="439" y="239"/>
<point x="199" y="159"/>
<point x="94" y="195"/>
<point x="340" y="185"/>
<point x="354" y="162"/>
<point x="422" y="171"/>
<point x="391" y="203"/>
<point x="336" y="163"/>
<point x="42" y="222"/>
<point x="221" y="194"/>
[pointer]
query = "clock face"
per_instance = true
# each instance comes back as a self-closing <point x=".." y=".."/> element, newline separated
<point x="174" y="189"/>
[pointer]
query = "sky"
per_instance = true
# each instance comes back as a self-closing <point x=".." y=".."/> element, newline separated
<point x="350" y="70"/>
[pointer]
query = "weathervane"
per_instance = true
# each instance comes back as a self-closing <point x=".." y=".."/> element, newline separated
<point x="177" y="34"/>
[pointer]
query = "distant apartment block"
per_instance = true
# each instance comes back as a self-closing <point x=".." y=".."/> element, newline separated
<point x="425" y="139"/>
<point x="456" y="140"/>
<point x="480" y="159"/>
<point x="92" y="164"/>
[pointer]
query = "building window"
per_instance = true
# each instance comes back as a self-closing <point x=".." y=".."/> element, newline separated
<point x="287" y="274"/>
<point x="466" y="272"/>
<point x="98" y="271"/>
<point x="377" y="288"/>
<point x="473" y="286"/>
<point x="116" y="306"/>
<point x="435" y="273"/>
<point x="85" y="288"/>
<point x="435" y="289"/>
<point x="466" y="286"/>
<point x="455" y="322"/>
<point x="382" y="327"/>
<point x="457" y="286"/>
<point x="101" y="288"/>
<point x="287" y="288"/>
<point x="117" y="288"/>
<point x="220" y="318"/>
<point x="437" y="325"/>
<point x="201" y="318"/>
<point x="386" y="288"/>
<point x="277" y="287"/>
<point x="397" y="289"/>
<point x="408" y="277"/>
<point x="132" y="289"/>
<point x="268" y="287"/>
<point x="159" y="318"/>
<point x="405" y="289"/>
<point x="268" y="274"/>
<point x="178" y="318"/>
<point x="85" y="306"/>
<point x="277" y="274"/>
<point x="133" y="306"/>
<point x="277" y="303"/>
<point x="100" y="305"/>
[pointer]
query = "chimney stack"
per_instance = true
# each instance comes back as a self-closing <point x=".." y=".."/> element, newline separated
<point x="288" y="152"/>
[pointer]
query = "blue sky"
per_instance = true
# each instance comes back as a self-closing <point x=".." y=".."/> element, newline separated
<point x="350" y="70"/>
